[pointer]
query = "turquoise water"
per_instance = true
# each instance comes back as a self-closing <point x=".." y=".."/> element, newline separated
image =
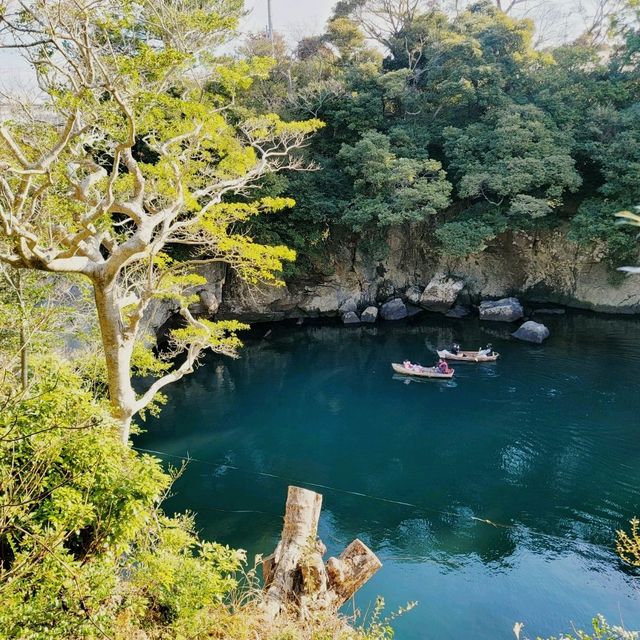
<point x="545" y="444"/>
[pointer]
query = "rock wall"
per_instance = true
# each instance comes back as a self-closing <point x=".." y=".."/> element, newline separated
<point x="541" y="268"/>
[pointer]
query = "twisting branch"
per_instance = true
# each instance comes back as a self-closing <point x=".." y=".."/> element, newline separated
<point x="133" y="157"/>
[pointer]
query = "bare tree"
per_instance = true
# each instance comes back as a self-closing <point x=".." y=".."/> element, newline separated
<point x="598" y="16"/>
<point x="384" y="20"/>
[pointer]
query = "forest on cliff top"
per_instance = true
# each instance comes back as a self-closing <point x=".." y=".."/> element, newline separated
<point x="461" y="124"/>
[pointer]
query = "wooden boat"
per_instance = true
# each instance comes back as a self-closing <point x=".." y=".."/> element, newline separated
<point x="467" y="356"/>
<point x="422" y="372"/>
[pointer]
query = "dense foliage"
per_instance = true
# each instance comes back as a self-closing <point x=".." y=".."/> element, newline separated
<point x="460" y="125"/>
<point x="85" y="548"/>
<point x="143" y="152"/>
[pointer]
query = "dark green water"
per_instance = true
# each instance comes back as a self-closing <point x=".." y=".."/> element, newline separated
<point x="545" y="443"/>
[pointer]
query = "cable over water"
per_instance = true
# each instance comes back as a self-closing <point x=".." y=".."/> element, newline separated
<point x="500" y="493"/>
<point x="318" y="485"/>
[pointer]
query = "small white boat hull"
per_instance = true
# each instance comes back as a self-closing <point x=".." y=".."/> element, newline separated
<point x="467" y="356"/>
<point x="422" y="372"/>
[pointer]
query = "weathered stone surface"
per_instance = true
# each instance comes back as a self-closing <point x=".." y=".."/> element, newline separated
<point x="351" y="317"/>
<point x="323" y="299"/>
<point x="532" y="332"/>
<point x="545" y="269"/>
<point x="349" y="305"/>
<point x="209" y="301"/>
<point x="393" y="310"/>
<point x="369" y="315"/>
<point x="413" y="294"/>
<point x="158" y="313"/>
<point x="458" y="311"/>
<point x="504" y="310"/>
<point x="385" y="290"/>
<point x="441" y="293"/>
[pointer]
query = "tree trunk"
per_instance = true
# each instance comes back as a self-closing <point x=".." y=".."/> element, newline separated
<point x="295" y="574"/>
<point x="117" y="352"/>
<point x="300" y="529"/>
<point x="24" y="345"/>
<point x="24" y="355"/>
<point x="356" y="564"/>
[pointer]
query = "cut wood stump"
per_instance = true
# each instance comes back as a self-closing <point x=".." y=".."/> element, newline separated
<point x="295" y="574"/>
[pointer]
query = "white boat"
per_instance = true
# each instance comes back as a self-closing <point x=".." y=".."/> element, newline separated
<point x="422" y="372"/>
<point x="467" y="356"/>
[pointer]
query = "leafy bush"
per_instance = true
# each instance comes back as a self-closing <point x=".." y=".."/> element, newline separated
<point x="593" y="222"/>
<point x="464" y="237"/>
<point x="602" y="630"/>
<point x="82" y="540"/>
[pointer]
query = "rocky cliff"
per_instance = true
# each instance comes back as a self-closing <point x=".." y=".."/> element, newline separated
<point x="541" y="268"/>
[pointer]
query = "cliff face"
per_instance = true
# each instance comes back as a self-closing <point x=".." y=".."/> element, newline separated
<point x="543" y="268"/>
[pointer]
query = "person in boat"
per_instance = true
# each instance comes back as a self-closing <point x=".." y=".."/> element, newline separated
<point x="487" y="351"/>
<point x="443" y="367"/>
<point x="455" y="349"/>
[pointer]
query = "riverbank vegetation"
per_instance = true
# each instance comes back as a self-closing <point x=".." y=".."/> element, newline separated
<point x="85" y="548"/>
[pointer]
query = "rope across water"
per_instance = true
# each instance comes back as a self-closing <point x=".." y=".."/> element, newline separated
<point x="359" y="494"/>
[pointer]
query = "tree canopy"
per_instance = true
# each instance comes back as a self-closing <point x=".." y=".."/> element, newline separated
<point x="459" y="123"/>
<point x="145" y="149"/>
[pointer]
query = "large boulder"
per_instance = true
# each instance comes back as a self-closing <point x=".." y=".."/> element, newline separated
<point x="504" y="310"/>
<point x="441" y="293"/>
<point x="394" y="310"/>
<point x="349" y="305"/>
<point x="413" y="294"/>
<point x="532" y="332"/>
<point x="369" y="315"/>
<point x="351" y="317"/>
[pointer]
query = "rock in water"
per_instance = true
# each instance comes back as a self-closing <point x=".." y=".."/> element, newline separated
<point x="532" y="332"/>
<point x="504" y="310"/>
<point x="369" y="315"/>
<point x="351" y="317"/>
<point x="441" y="292"/>
<point x="458" y="312"/>
<point x="394" y="310"/>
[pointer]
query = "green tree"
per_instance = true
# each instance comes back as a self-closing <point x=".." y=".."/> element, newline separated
<point x="391" y="190"/>
<point x="513" y="157"/>
<point x="134" y="160"/>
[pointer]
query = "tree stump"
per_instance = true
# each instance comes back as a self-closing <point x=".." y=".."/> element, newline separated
<point x="295" y="575"/>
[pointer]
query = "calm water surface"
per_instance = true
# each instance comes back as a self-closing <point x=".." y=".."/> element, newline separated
<point x="545" y="444"/>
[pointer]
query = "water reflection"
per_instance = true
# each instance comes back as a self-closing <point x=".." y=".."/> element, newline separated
<point x="513" y="469"/>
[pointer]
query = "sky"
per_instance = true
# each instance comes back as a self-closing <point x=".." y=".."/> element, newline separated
<point x="292" y="18"/>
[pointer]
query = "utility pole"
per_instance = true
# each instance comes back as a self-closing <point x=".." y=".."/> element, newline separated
<point x="269" y="22"/>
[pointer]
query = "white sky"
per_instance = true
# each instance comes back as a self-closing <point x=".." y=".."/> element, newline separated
<point x="293" y="18"/>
